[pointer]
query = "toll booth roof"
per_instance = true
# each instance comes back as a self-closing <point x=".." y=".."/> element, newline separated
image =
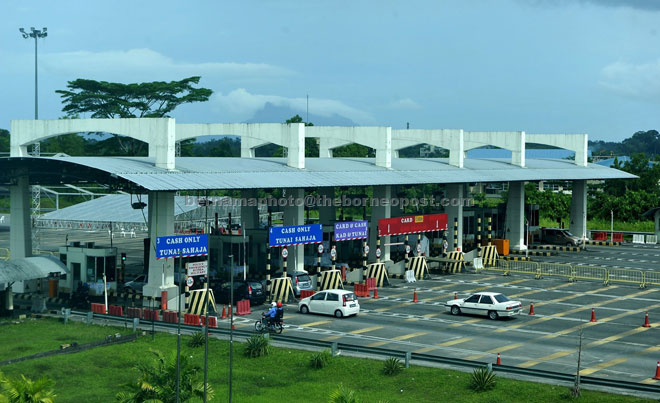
<point x="30" y="268"/>
<point x="196" y="173"/>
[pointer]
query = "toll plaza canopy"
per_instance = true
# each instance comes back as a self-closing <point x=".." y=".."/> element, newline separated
<point x="163" y="173"/>
<point x="196" y="173"/>
<point x="29" y="268"/>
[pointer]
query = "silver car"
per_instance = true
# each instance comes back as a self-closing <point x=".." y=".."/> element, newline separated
<point x="300" y="280"/>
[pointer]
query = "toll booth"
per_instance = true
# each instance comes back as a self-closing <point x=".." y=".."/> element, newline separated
<point x="249" y="249"/>
<point x="86" y="263"/>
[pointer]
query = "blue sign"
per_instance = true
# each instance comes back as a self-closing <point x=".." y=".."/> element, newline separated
<point x="295" y="235"/>
<point x="345" y="231"/>
<point x="182" y="245"/>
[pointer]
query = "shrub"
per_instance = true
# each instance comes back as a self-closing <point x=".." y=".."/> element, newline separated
<point x="257" y="346"/>
<point x="482" y="379"/>
<point x="319" y="360"/>
<point x="197" y="340"/>
<point x="343" y="395"/>
<point x="392" y="366"/>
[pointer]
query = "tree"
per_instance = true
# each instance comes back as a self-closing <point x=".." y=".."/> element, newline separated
<point x="157" y="99"/>
<point x="25" y="390"/>
<point x="4" y="141"/>
<point x="157" y="381"/>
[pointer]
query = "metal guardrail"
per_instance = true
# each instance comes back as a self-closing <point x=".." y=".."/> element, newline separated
<point x="651" y="278"/>
<point x="577" y="272"/>
<point x="427" y="358"/>
<point x="626" y="276"/>
<point x="588" y="273"/>
<point x="555" y="269"/>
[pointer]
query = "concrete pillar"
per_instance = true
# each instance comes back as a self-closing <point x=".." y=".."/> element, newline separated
<point x="657" y="224"/>
<point x="294" y="214"/>
<point x="162" y="142"/>
<point x="378" y="212"/>
<point x="395" y="211"/>
<point x="454" y="209"/>
<point x="249" y="212"/>
<point x="327" y="210"/>
<point x="9" y="299"/>
<point x="515" y="216"/>
<point x="161" y="223"/>
<point x="578" y="226"/>
<point x="20" y="227"/>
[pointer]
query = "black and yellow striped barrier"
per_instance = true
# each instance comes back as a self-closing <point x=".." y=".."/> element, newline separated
<point x="419" y="266"/>
<point x="377" y="271"/>
<point x="329" y="279"/>
<point x="603" y="243"/>
<point x="531" y="253"/>
<point x="458" y="262"/>
<point x="281" y="289"/>
<point x="489" y="255"/>
<point x="559" y="248"/>
<point x="197" y="300"/>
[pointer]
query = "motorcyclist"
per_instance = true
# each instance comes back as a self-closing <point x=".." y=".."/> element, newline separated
<point x="279" y="315"/>
<point x="270" y="315"/>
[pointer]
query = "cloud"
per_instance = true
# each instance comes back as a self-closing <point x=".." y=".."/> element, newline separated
<point x="403" y="104"/>
<point x="147" y="64"/>
<point x="638" y="81"/>
<point x="240" y="105"/>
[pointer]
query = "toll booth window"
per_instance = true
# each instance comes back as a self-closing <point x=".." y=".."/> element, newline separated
<point x="474" y="298"/>
<point x="63" y="258"/>
<point x="91" y="269"/>
<point x="111" y="268"/>
<point x="100" y="267"/>
<point x="333" y="297"/>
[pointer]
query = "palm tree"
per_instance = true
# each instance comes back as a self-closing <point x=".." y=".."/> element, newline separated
<point x="25" y="390"/>
<point x="157" y="382"/>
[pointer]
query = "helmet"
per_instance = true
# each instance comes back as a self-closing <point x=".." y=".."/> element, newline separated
<point x="279" y="304"/>
<point x="273" y="304"/>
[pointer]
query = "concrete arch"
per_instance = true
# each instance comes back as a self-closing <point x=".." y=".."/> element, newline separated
<point x="512" y="141"/>
<point x="376" y="137"/>
<point x="158" y="133"/>
<point x="253" y="135"/>
<point x="574" y="142"/>
<point x="449" y="139"/>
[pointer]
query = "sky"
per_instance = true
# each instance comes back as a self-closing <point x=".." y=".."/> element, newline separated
<point x="542" y="66"/>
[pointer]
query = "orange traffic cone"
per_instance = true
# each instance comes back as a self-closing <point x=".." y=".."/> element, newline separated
<point x="224" y="312"/>
<point x="233" y="327"/>
<point x="376" y="293"/>
<point x="531" y="309"/>
<point x="646" y="321"/>
<point x="593" y="315"/>
<point x="415" y="296"/>
<point x="499" y="360"/>
<point x="657" y="372"/>
<point x="455" y="295"/>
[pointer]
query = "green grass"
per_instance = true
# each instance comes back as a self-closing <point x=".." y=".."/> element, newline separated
<point x="34" y="336"/>
<point x="284" y="375"/>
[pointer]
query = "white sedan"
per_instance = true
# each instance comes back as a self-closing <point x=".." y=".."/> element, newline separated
<point x="490" y="304"/>
<point x="339" y="303"/>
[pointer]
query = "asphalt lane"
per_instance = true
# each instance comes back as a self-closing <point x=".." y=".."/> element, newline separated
<point x="615" y="346"/>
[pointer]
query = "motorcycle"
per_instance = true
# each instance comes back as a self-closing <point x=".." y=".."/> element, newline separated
<point x="263" y="326"/>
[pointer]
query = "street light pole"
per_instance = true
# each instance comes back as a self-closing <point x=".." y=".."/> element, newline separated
<point x="36" y="34"/>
